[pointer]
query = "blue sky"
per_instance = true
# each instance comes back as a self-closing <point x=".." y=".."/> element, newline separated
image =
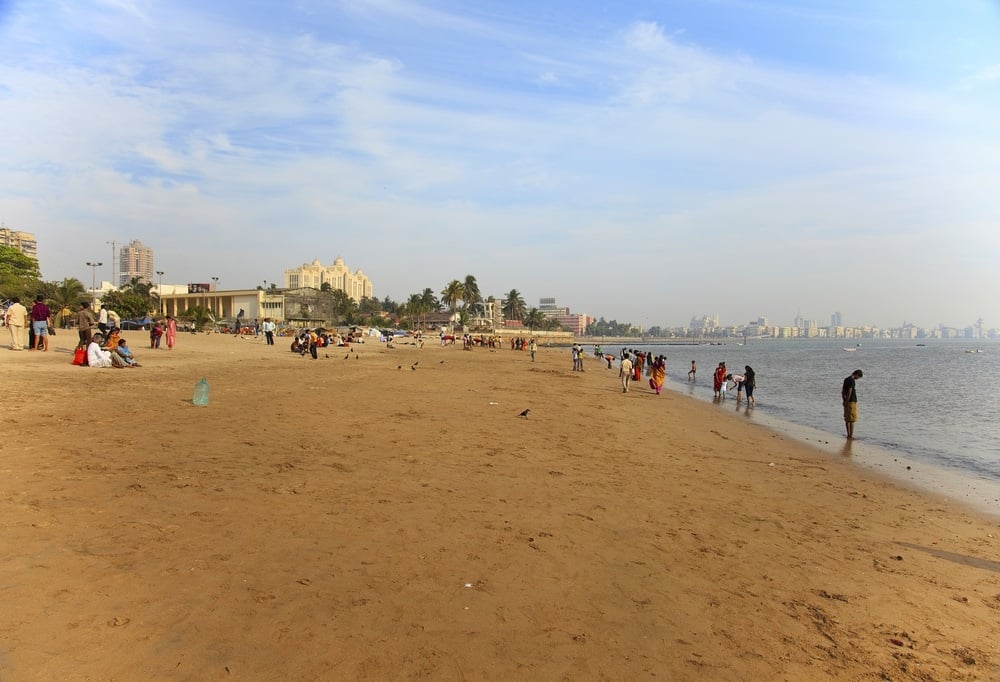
<point x="642" y="161"/>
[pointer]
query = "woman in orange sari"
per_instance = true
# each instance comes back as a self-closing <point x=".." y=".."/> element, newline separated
<point x="658" y="375"/>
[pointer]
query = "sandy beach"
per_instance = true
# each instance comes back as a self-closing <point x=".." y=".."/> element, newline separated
<point x="384" y="514"/>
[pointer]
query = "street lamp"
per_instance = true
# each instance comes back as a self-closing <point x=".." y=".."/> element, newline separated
<point x="159" y="291"/>
<point x="114" y="256"/>
<point x="93" y="280"/>
<point x="215" y="286"/>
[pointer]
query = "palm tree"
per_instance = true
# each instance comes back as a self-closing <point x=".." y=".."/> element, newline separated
<point x="144" y="291"/>
<point x="470" y="293"/>
<point x="451" y="295"/>
<point x="68" y="293"/>
<point x="136" y="284"/>
<point x="514" y="307"/>
<point x="430" y="301"/>
<point x="415" y="308"/>
<point x="199" y="316"/>
<point x="534" y="319"/>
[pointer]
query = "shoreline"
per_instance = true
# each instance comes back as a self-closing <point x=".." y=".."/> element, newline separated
<point x="980" y="495"/>
<point x="381" y="513"/>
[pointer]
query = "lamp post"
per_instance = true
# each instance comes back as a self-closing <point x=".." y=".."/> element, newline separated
<point x="159" y="290"/>
<point x="93" y="281"/>
<point x="215" y="302"/>
<point x="114" y="276"/>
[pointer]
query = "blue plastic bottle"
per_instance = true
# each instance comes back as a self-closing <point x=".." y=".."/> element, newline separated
<point x="201" y="393"/>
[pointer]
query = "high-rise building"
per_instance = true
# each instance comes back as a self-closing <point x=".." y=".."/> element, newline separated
<point x="22" y="241"/>
<point x="837" y="320"/>
<point x="571" y="322"/>
<point x="135" y="260"/>
<point x="355" y="284"/>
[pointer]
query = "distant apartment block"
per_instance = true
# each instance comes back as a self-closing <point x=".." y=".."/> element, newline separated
<point x="22" y="241"/>
<point x="355" y="284"/>
<point x="135" y="260"/>
<point x="571" y="322"/>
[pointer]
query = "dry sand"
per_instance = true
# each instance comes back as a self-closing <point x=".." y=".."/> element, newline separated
<point x="354" y="518"/>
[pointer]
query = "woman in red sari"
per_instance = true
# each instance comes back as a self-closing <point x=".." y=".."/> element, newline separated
<point x="718" y="378"/>
<point x="637" y="367"/>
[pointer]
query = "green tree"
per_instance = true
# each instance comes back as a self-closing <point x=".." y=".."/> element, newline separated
<point x="128" y="303"/>
<point x="199" y="316"/>
<point x="66" y="295"/>
<point x="514" y="307"/>
<point x="342" y="305"/>
<point x="429" y="301"/>
<point x="534" y="319"/>
<point x="470" y="293"/>
<point x="389" y="306"/>
<point x="19" y="274"/>
<point x="452" y="294"/>
<point x="417" y="307"/>
<point x="136" y="296"/>
<point x="138" y="286"/>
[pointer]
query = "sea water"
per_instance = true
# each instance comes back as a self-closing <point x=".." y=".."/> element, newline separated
<point x="927" y="405"/>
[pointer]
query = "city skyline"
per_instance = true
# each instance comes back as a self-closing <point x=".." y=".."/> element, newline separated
<point x="638" y="162"/>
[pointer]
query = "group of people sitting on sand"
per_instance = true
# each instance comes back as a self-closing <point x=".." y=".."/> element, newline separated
<point x="311" y="340"/>
<point x="110" y="352"/>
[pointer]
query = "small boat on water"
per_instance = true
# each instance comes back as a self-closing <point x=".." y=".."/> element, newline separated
<point x="978" y="350"/>
<point x="850" y="350"/>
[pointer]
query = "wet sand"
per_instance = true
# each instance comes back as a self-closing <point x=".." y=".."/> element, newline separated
<point x="364" y="517"/>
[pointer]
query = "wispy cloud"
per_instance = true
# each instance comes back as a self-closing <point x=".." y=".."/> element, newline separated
<point x="425" y="141"/>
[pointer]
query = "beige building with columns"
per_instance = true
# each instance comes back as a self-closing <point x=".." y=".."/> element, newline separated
<point x="355" y="284"/>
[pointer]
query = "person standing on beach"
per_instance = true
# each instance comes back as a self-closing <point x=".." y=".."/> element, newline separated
<point x="749" y="384"/>
<point x="15" y="318"/>
<point x="625" y="372"/>
<point x="171" y="332"/>
<point x="268" y="328"/>
<point x="533" y="347"/>
<point x="84" y="324"/>
<point x="658" y="375"/>
<point x="850" y="397"/>
<point x="102" y="320"/>
<point x="41" y="320"/>
<point x="718" y="380"/>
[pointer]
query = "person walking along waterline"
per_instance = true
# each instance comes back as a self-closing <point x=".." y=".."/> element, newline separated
<point x="659" y="374"/>
<point x="625" y="372"/>
<point x="850" y="398"/>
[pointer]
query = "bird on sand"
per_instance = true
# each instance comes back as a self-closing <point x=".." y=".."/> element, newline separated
<point x="416" y="363"/>
<point x="524" y="414"/>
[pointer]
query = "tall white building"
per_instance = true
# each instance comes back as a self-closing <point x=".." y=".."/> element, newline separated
<point x="135" y="260"/>
<point x="355" y="284"/>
